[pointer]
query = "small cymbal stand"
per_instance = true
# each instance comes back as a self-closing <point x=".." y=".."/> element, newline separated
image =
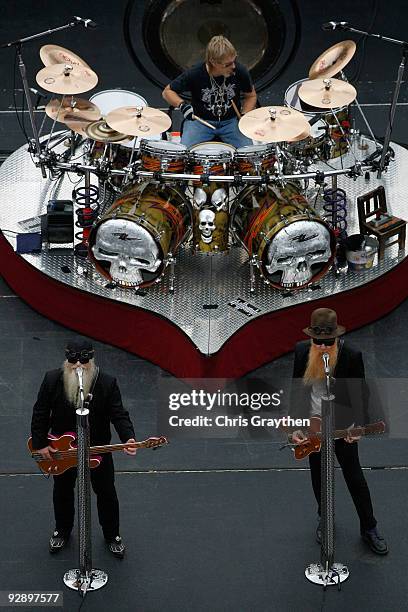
<point x="327" y="573"/>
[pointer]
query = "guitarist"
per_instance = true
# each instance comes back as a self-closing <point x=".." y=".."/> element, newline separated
<point x="54" y="412"/>
<point x="350" y="389"/>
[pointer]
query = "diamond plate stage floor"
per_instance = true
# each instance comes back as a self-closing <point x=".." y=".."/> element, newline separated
<point x="212" y="325"/>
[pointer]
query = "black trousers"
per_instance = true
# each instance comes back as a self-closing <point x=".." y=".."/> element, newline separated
<point x="102" y="480"/>
<point x="347" y="456"/>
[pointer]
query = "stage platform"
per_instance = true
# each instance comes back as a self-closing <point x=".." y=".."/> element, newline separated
<point x="212" y="325"/>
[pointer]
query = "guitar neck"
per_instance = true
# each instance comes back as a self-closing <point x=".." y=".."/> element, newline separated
<point x="109" y="448"/>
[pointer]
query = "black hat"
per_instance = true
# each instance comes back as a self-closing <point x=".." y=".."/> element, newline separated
<point x="78" y="344"/>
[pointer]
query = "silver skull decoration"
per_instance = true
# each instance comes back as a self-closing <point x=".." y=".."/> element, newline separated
<point x="129" y="248"/>
<point x="206" y="225"/>
<point x="295" y="249"/>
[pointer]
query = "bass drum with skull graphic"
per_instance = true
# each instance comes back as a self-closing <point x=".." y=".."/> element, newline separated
<point x="292" y="244"/>
<point x="133" y="242"/>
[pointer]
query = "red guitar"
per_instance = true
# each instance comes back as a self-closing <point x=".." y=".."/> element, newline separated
<point x="67" y="452"/>
<point x="313" y="442"/>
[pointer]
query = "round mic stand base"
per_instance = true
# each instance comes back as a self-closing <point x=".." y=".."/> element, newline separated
<point x="92" y="581"/>
<point x="337" y="574"/>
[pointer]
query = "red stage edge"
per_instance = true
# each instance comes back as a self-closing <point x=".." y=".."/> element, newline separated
<point x="151" y="337"/>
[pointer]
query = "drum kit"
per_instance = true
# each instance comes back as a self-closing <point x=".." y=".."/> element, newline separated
<point x="210" y="196"/>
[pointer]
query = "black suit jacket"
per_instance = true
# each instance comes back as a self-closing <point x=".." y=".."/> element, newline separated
<point x="52" y="412"/>
<point x="349" y="387"/>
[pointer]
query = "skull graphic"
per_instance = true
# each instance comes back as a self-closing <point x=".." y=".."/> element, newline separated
<point x="129" y="248"/>
<point x="206" y="225"/>
<point x="297" y="253"/>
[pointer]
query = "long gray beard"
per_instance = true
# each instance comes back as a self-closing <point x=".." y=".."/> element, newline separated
<point x="71" y="387"/>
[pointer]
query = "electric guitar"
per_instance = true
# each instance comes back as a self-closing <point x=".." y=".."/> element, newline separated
<point x="66" y="454"/>
<point x="313" y="442"/>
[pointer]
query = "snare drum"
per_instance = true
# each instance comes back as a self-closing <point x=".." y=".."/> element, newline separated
<point x="131" y="244"/>
<point x="211" y="158"/>
<point x="255" y="159"/>
<point x="293" y="245"/>
<point x="329" y="130"/>
<point x="163" y="156"/>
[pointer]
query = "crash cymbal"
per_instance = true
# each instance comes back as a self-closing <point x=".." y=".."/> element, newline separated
<point x="334" y="59"/>
<point x="78" y="126"/>
<point x="72" y="108"/>
<point x="102" y="132"/>
<point x="138" y="121"/>
<point x="327" y="93"/>
<point x="274" y="124"/>
<point x="66" y="79"/>
<point x="54" y="54"/>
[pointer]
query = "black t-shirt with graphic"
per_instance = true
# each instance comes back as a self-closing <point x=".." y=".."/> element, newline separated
<point x="213" y="101"/>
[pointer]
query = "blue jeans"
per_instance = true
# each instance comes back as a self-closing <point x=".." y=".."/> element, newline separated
<point x="195" y="132"/>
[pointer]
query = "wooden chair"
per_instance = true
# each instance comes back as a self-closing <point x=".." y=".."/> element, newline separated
<point x="371" y="208"/>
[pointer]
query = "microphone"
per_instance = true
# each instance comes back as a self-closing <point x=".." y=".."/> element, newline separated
<point x="325" y="358"/>
<point x="335" y="25"/>
<point x="79" y="373"/>
<point x="87" y="23"/>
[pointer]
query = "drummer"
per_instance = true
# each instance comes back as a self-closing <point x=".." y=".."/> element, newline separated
<point x="215" y="86"/>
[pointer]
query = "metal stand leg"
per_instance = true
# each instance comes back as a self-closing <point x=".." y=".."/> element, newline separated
<point x="327" y="573"/>
<point x="252" y="264"/>
<point x="172" y="277"/>
<point x="85" y="578"/>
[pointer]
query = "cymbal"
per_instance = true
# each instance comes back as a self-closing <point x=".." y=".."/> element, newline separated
<point x="138" y="121"/>
<point x="288" y="124"/>
<point x="72" y="108"/>
<point x="327" y="93"/>
<point x="334" y="59"/>
<point x="77" y="126"/>
<point x="102" y="132"/>
<point x="66" y="79"/>
<point x="54" y="54"/>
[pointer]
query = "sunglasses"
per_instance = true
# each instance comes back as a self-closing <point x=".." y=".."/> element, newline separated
<point x="326" y="342"/>
<point x="82" y="356"/>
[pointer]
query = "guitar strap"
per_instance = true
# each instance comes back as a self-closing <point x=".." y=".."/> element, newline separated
<point x="90" y="394"/>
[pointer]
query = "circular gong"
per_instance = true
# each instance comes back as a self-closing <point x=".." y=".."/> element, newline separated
<point x="256" y="28"/>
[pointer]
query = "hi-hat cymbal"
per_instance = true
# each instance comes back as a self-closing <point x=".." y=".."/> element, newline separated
<point x="138" y="121"/>
<point x="66" y="79"/>
<point x="54" y="54"/>
<point x="72" y="108"/>
<point x="102" y="132"/>
<point x="274" y="124"/>
<point x="327" y="93"/>
<point x="334" y="59"/>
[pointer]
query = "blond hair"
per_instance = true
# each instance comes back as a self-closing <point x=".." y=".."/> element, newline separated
<point x="218" y="48"/>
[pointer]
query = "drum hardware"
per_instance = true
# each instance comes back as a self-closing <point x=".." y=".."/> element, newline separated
<point x="66" y="78"/>
<point x="273" y="124"/>
<point x="327" y="93"/>
<point x="333" y="60"/>
<point x="138" y="121"/>
<point x="54" y="54"/>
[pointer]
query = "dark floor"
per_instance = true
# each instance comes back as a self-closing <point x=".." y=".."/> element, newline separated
<point x="217" y="524"/>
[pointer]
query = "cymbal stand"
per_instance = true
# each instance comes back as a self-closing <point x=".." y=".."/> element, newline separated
<point x="35" y="144"/>
<point x="401" y="69"/>
<point x="327" y="573"/>
<point x="357" y="103"/>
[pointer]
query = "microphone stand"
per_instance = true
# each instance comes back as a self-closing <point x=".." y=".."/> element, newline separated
<point x="327" y="573"/>
<point x="35" y="145"/>
<point x="85" y="578"/>
<point x="387" y="138"/>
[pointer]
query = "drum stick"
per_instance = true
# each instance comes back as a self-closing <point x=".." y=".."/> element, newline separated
<point x="234" y="106"/>
<point x="203" y="122"/>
